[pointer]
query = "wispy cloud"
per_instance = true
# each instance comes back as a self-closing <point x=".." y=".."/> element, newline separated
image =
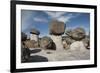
<point x="37" y="19"/>
<point x="54" y="14"/>
<point x="61" y="16"/>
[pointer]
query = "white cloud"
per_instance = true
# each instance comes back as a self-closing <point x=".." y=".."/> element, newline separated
<point x="40" y="19"/>
<point x="55" y="14"/>
<point x="61" y="16"/>
<point x="64" y="18"/>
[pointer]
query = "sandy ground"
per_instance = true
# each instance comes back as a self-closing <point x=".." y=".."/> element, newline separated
<point x="60" y="55"/>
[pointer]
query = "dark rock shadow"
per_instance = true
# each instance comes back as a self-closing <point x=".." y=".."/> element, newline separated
<point x="35" y="50"/>
<point x="53" y="47"/>
<point x="36" y="58"/>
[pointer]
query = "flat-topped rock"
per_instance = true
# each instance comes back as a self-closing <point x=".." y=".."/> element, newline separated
<point x="35" y="31"/>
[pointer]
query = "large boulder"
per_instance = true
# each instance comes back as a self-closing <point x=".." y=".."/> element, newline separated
<point x="57" y="27"/>
<point x="77" y="33"/>
<point x="47" y="43"/>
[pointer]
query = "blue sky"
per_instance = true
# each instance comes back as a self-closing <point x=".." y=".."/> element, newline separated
<point x="41" y="19"/>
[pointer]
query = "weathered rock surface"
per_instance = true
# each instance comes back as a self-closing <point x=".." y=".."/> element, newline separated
<point x="34" y="37"/>
<point x="77" y="33"/>
<point x="77" y="46"/>
<point x="67" y="41"/>
<point x="58" y="41"/>
<point x="25" y="52"/>
<point x="86" y="42"/>
<point x="57" y="27"/>
<point x="47" y="43"/>
<point x="31" y="44"/>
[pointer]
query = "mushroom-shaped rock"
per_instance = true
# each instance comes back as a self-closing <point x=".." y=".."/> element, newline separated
<point x="77" y="33"/>
<point x="34" y="35"/>
<point x="57" y="27"/>
<point x="35" y="31"/>
<point x="47" y="43"/>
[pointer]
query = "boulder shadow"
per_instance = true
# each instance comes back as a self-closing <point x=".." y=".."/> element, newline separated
<point x="36" y="58"/>
<point x="35" y="51"/>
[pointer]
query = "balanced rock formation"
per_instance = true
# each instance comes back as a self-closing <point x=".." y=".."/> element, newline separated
<point x="57" y="28"/>
<point x="58" y="41"/>
<point x="34" y="34"/>
<point x="47" y="43"/>
<point x="77" y="34"/>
